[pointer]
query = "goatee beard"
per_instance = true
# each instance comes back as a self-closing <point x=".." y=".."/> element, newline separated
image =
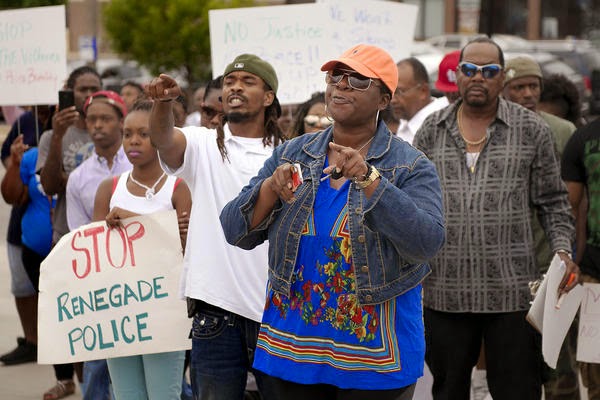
<point x="237" y="117"/>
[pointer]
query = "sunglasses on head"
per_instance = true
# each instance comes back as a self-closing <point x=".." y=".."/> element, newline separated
<point x="488" y="71"/>
<point x="314" y="120"/>
<point x="355" y="80"/>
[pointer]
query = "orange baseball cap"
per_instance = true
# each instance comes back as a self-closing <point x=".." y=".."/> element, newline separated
<point x="370" y="61"/>
<point x="446" y="81"/>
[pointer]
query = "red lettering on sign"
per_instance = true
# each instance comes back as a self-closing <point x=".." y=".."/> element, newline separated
<point x="128" y="234"/>
<point x="138" y="234"/>
<point x="108" y="252"/>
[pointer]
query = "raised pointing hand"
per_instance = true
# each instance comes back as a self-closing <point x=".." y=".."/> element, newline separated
<point x="163" y="88"/>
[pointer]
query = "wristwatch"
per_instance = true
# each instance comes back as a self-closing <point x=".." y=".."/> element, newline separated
<point x="370" y="177"/>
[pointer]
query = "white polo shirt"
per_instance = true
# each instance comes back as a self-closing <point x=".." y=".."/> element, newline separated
<point x="408" y="129"/>
<point x="213" y="270"/>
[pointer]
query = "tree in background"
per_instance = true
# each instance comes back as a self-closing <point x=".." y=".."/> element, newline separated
<point x="165" y="35"/>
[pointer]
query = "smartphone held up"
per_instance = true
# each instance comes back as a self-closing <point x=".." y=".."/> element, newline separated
<point x="66" y="99"/>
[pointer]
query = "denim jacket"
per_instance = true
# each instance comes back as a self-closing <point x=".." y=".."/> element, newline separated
<point x="392" y="234"/>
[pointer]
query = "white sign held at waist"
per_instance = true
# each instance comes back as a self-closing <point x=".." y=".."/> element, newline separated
<point x="113" y="292"/>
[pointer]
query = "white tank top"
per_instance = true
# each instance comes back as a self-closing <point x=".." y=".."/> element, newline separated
<point x="140" y="204"/>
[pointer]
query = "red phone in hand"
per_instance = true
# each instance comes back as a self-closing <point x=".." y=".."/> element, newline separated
<point x="296" y="177"/>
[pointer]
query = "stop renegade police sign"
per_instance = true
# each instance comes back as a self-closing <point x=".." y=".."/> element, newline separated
<point x="113" y="292"/>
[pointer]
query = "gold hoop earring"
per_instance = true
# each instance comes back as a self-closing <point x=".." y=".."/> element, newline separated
<point x="329" y="118"/>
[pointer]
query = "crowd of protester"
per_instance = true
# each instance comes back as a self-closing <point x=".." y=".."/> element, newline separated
<point x="373" y="242"/>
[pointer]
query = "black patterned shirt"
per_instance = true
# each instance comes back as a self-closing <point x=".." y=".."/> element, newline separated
<point x="488" y="258"/>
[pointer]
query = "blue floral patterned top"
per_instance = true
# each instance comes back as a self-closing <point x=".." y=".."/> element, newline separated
<point x="321" y="334"/>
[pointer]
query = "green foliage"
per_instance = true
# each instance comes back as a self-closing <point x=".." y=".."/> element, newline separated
<point x="165" y="35"/>
<point x="8" y="4"/>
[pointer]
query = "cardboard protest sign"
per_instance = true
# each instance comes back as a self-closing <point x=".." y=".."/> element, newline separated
<point x="389" y="25"/>
<point x="588" y="342"/>
<point x="33" y="55"/>
<point x="112" y="293"/>
<point x="293" y="38"/>
<point x="298" y="39"/>
<point x="548" y="317"/>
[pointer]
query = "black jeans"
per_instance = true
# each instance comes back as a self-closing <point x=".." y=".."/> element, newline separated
<point x="512" y="352"/>
<point x="279" y="389"/>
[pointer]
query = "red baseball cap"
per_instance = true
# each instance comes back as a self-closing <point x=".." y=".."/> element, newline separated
<point x="107" y="96"/>
<point x="369" y="61"/>
<point x="446" y="81"/>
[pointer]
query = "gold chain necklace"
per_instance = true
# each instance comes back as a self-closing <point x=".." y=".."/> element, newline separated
<point x="469" y="142"/>
<point x="460" y="130"/>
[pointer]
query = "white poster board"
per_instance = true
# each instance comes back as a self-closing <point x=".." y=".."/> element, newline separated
<point x="552" y="322"/>
<point x="385" y="24"/>
<point x="298" y="39"/>
<point x="293" y="38"/>
<point x="33" y="55"/>
<point x="588" y="341"/>
<point x="112" y="293"/>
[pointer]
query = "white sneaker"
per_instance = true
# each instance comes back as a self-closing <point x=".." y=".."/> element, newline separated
<point x="479" y="388"/>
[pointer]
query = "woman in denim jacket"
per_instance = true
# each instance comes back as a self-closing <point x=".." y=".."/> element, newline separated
<point x="348" y="246"/>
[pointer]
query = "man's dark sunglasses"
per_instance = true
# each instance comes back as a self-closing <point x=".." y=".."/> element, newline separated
<point x="487" y="71"/>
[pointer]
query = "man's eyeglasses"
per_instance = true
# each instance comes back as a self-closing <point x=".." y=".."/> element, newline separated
<point x="400" y="92"/>
<point x="488" y="71"/>
<point x="355" y="80"/>
<point x="314" y="120"/>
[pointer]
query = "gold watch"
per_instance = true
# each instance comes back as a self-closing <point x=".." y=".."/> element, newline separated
<point x="370" y="177"/>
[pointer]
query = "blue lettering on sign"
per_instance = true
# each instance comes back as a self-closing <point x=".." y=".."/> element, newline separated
<point x="8" y="57"/>
<point x="235" y="32"/>
<point x="118" y="295"/>
<point x="363" y="16"/>
<point x="104" y="335"/>
<point x="336" y="13"/>
<point x="294" y="31"/>
<point x="14" y="30"/>
<point x="38" y="56"/>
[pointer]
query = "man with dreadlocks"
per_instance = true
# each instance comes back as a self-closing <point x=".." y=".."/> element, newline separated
<point x="225" y="285"/>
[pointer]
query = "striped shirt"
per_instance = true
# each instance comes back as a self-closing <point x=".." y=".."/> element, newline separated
<point x="488" y="258"/>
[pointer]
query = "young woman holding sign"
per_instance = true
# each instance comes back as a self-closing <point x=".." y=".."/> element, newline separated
<point x="144" y="190"/>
